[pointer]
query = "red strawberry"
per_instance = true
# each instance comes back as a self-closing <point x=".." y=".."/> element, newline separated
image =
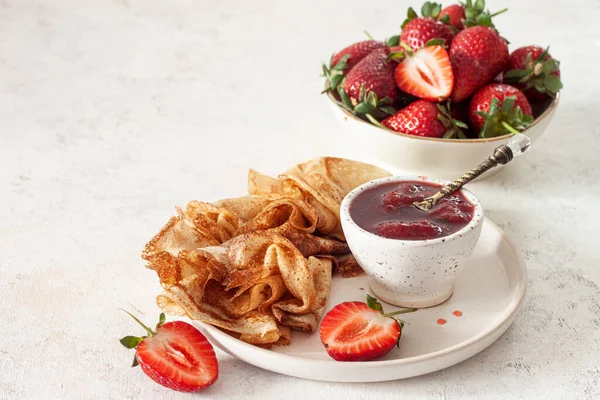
<point x="455" y="13"/>
<point x="419" y="31"/>
<point x="426" y="73"/>
<point x="468" y="15"/>
<point x="177" y="355"/>
<point x="533" y="70"/>
<point x="376" y="73"/>
<point x="424" y="118"/>
<point x="356" y="52"/>
<point x="477" y="55"/>
<point x="355" y="331"/>
<point x="499" y="109"/>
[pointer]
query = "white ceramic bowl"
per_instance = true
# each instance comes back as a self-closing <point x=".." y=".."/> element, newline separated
<point x="411" y="273"/>
<point x="444" y="158"/>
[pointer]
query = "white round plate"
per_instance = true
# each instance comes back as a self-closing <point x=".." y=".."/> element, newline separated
<point x="488" y="292"/>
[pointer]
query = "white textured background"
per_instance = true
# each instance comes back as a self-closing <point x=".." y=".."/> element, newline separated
<point x="113" y="111"/>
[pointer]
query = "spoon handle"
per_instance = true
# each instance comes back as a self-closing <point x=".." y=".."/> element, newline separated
<point x="502" y="155"/>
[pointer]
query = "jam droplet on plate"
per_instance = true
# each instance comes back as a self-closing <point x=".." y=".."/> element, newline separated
<point x="441" y="321"/>
<point x="457" y="313"/>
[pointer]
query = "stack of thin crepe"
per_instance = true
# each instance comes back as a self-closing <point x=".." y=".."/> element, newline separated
<point x="258" y="265"/>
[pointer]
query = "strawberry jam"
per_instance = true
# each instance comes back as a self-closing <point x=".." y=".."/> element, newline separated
<point x="387" y="210"/>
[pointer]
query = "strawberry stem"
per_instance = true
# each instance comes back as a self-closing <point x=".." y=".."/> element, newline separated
<point x="498" y="12"/>
<point x="150" y="331"/>
<point x="368" y="35"/>
<point x="509" y="128"/>
<point x="406" y="47"/>
<point x="405" y="311"/>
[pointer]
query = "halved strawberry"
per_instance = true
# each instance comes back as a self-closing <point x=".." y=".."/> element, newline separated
<point x="425" y="73"/>
<point x="177" y="355"/>
<point x="355" y="331"/>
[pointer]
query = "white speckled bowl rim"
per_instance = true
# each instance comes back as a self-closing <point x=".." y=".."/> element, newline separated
<point x="347" y="203"/>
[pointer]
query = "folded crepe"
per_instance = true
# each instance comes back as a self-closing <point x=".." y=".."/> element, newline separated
<point x="258" y="265"/>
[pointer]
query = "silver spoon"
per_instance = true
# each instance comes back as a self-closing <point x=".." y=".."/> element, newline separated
<point x="516" y="146"/>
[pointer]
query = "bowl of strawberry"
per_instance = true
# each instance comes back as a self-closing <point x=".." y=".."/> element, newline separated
<point x="441" y="95"/>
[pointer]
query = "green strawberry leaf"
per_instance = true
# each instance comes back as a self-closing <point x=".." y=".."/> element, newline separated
<point x="484" y="20"/>
<point x="515" y="75"/>
<point x="529" y="61"/>
<point x="364" y="108"/>
<point x="345" y="98"/>
<point x="131" y="342"/>
<point x="135" y="362"/>
<point x="386" y="101"/>
<point x="388" y="110"/>
<point x="161" y="320"/>
<point x="471" y="14"/>
<point x="396" y="55"/>
<point x="435" y="42"/>
<point x="480" y="5"/>
<point x="550" y="66"/>
<point x="393" y="41"/>
<point x="437" y="9"/>
<point x="374" y="304"/>
<point x="461" y="124"/>
<point x="449" y="134"/>
<point x="445" y="19"/>
<point x="445" y="120"/>
<point x="426" y="9"/>
<point x="430" y="9"/>
<point x="372" y="99"/>
<point x="374" y="121"/>
<point x="543" y="56"/>
<point x="552" y="83"/>
<point x="508" y="104"/>
<point x="410" y="15"/>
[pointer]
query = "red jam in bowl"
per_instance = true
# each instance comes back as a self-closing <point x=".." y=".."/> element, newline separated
<point x="387" y="210"/>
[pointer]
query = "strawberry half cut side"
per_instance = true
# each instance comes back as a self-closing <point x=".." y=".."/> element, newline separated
<point x="176" y="355"/>
<point x="425" y="73"/>
<point x="356" y="331"/>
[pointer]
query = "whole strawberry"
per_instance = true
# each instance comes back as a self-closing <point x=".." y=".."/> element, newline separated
<point x="374" y="73"/>
<point x="424" y="118"/>
<point x="356" y="52"/>
<point x="477" y="55"/>
<point x="175" y="355"/>
<point x="356" y="331"/>
<point x="467" y="15"/>
<point x="417" y="31"/>
<point x="453" y="15"/>
<point x="534" y="71"/>
<point x="499" y="109"/>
